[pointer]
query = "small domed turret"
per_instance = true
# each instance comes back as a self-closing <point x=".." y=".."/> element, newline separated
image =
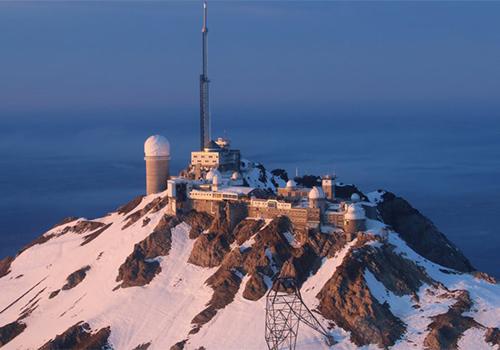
<point x="291" y="184"/>
<point x="355" y="212"/>
<point x="354" y="220"/>
<point x="317" y="198"/>
<point x="355" y="198"/>
<point x="316" y="193"/>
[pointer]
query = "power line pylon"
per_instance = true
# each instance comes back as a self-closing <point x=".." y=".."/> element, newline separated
<point x="285" y="310"/>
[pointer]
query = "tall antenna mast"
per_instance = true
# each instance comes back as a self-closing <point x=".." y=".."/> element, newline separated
<point x="204" y="94"/>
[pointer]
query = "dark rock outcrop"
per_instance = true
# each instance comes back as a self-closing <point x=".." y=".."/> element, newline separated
<point x="139" y="269"/>
<point x="399" y="275"/>
<point x="235" y="264"/>
<point x="79" y="228"/>
<point x="76" y="278"/>
<point x="225" y="284"/>
<point x="347" y="300"/>
<point x="308" y="181"/>
<point x="246" y="229"/>
<point x="5" y="265"/>
<point x="421" y="234"/>
<point x="82" y="227"/>
<point x="90" y="237"/>
<point x="346" y="191"/>
<point x="255" y="288"/>
<point x="199" y="222"/>
<point x="127" y="208"/>
<point x="281" y="173"/>
<point x="10" y="331"/>
<point x="484" y="276"/>
<point x="209" y="250"/>
<point x="446" y="329"/>
<point x="81" y="337"/>
<point x="492" y="336"/>
<point x="65" y="221"/>
<point x="154" y="206"/>
<point x="179" y="345"/>
<point x="54" y="293"/>
<point x="144" y="346"/>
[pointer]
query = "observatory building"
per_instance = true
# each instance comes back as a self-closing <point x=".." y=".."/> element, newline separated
<point x="157" y="157"/>
<point x="218" y="179"/>
<point x="217" y="154"/>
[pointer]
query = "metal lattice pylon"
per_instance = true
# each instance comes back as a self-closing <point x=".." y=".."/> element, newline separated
<point x="285" y="310"/>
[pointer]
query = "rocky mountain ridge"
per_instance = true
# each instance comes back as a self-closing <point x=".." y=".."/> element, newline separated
<point x="140" y="279"/>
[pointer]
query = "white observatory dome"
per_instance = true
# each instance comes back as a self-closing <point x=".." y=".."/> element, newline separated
<point x="291" y="184"/>
<point x="210" y="175"/>
<point x="157" y="146"/>
<point x="355" y="198"/>
<point x="316" y="193"/>
<point x="355" y="212"/>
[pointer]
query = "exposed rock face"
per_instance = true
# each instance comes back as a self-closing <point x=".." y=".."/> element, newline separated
<point x="154" y="206"/>
<point x="65" y="221"/>
<point x="281" y="173"/>
<point x="209" y="250"/>
<point x="255" y="288"/>
<point x="346" y="191"/>
<point x="76" y="278"/>
<point x="54" y="293"/>
<point x="199" y="222"/>
<point x="90" y="237"/>
<point x="79" y="228"/>
<point x="127" y="208"/>
<point x="399" y="275"/>
<point x="139" y="269"/>
<point x="83" y="226"/>
<point x="347" y="300"/>
<point x="484" y="276"/>
<point x="144" y="346"/>
<point x="246" y="229"/>
<point x="446" y="329"/>
<point x="179" y="345"/>
<point x="5" y="265"/>
<point x="421" y="234"/>
<point x="80" y="336"/>
<point x="235" y="264"/>
<point x="308" y="180"/>
<point x="225" y="284"/>
<point x="10" y="331"/>
<point x="492" y="336"/>
<point x="31" y="305"/>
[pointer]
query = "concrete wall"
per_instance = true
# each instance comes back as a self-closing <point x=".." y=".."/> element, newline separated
<point x="157" y="173"/>
<point x="353" y="226"/>
<point x="298" y="216"/>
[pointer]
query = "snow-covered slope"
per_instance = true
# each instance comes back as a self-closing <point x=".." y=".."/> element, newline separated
<point x="108" y="274"/>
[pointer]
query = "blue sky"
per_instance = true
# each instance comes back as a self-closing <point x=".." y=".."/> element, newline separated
<point x="391" y="57"/>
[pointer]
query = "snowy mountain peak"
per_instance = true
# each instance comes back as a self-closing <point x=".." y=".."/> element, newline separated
<point x="138" y="278"/>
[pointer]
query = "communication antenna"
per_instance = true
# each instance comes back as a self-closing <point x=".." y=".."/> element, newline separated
<point x="205" y="131"/>
<point x="285" y="310"/>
